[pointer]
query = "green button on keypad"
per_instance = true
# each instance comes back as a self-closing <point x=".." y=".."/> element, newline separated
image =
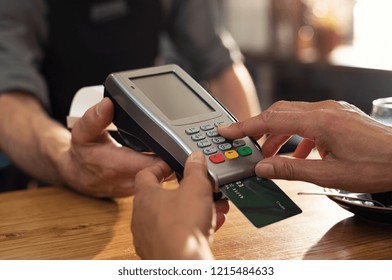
<point x="244" y="151"/>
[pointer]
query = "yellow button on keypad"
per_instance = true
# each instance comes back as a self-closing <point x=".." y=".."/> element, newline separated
<point x="231" y="154"/>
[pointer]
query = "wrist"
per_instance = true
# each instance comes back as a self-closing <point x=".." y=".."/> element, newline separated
<point x="182" y="244"/>
<point x="54" y="146"/>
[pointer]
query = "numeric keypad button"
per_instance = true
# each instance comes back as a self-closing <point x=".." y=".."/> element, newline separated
<point x="207" y="127"/>
<point x="192" y="130"/>
<point x="212" y="133"/>
<point x="198" y="137"/>
<point x="218" y="140"/>
<point x="225" y="146"/>
<point x="210" y="150"/>
<point x="203" y="143"/>
<point x="218" y="123"/>
<point x="238" y="143"/>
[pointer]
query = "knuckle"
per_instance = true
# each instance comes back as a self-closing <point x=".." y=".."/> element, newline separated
<point x="267" y="115"/>
<point x="336" y="105"/>
<point x="332" y="104"/>
<point x="238" y="125"/>
<point x="279" y="103"/>
<point x="285" y="170"/>
<point x="345" y="105"/>
<point x="340" y="105"/>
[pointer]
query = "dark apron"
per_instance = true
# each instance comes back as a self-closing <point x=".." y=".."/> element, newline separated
<point x="89" y="39"/>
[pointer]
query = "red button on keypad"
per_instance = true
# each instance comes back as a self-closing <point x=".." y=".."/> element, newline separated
<point x="218" y="158"/>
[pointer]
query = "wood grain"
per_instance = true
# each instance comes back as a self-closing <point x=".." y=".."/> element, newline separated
<point x="56" y="223"/>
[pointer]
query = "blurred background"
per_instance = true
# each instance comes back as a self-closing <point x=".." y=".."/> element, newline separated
<point x="314" y="49"/>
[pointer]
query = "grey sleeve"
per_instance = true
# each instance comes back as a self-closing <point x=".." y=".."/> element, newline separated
<point x="200" y="39"/>
<point x="22" y="35"/>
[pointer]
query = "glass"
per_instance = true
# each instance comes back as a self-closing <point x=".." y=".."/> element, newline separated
<point x="382" y="110"/>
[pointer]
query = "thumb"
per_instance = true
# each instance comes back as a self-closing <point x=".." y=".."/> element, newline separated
<point x="90" y="127"/>
<point x="289" y="168"/>
<point x="196" y="175"/>
<point x="354" y="176"/>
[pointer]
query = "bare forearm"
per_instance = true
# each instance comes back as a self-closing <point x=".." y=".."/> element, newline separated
<point x="235" y="89"/>
<point x="30" y="138"/>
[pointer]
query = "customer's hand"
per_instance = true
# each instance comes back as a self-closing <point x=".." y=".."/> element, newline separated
<point x="355" y="150"/>
<point x="95" y="164"/>
<point x="176" y="224"/>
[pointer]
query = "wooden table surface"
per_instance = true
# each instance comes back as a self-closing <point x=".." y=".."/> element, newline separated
<point x="56" y="223"/>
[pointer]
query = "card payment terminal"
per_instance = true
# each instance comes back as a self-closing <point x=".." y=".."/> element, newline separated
<point x="165" y="111"/>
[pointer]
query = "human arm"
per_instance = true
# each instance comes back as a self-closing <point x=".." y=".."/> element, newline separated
<point x="235" y="89"/>
<point x="355" y="150"/>
<point x="86" y="159"/>
<point x="175" y="224"/>
<point x="210" y="54"/>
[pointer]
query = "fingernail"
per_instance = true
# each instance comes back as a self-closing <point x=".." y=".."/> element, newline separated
<point x="197" y="157"/>
<point x="265" y="170"/>
<point x="98" y="108"/>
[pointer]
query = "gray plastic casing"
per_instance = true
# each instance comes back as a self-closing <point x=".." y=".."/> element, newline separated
<point x="167" y="138"/>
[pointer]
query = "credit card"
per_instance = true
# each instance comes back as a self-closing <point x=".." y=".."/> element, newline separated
<point x="260" y="200"/>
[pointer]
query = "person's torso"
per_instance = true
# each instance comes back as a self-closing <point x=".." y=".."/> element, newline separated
<point x="90" y="39"/>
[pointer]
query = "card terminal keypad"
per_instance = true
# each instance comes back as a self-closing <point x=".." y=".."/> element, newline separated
<point x="217" y="148"/>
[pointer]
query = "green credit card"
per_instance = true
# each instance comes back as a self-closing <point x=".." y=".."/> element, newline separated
<point x="260" y="200"/>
